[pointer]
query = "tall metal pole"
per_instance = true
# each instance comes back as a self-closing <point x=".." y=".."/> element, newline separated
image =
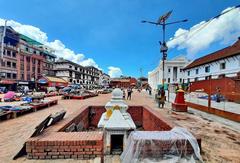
<point x="163" y="47"/>
<point x="163" y="58"/>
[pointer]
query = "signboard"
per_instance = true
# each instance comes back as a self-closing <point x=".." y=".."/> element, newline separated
<point x="23" y="83"/>
<point x="42" y="81"/>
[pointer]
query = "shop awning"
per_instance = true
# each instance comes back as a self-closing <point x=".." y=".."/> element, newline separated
<point x="7" y="82"/>
<point x="53" y="81"/>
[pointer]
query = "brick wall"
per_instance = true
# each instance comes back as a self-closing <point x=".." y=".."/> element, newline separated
<point x="82" y="117"/>
<point x="136" y="113"/>
<point x="96" y="112"/>
<point x="228" y="87"/>
<point x="76" y="145"/>
<point x="153" y="121"/>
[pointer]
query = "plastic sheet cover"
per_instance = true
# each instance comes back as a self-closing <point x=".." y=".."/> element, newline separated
<point x="175" y="146"/>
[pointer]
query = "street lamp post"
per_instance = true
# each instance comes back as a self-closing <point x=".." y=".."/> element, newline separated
<point x="163" y="46"/>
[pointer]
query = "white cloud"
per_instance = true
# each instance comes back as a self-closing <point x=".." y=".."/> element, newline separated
<point x="60" y="49"/>
<point x="224" y="29"/>
<point x="114" y="72"/>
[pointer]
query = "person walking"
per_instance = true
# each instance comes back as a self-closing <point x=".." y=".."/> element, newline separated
<point x="161" y="97"/>
<point x="124" y="93"/>
<point x="129" y="91"/>
<point x="218" y="94"/>
<point x="150" y="91"/>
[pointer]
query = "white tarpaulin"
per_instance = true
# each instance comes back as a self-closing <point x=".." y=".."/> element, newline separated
<point x="177" y="145"/>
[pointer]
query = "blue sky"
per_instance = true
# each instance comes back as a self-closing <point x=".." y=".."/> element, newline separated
<point x="110" y="33"/>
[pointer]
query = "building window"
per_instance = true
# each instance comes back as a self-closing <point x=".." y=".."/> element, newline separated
<point x="207" y="77"/>
<point x="207" y="69"/>
<point x="8" y="53"/>
<point x="169" y="70"/>
<point x="70" y="66"/>
<point x="14" y="76"/>
<point x="188" y="73"/>
<point x="180" y="80"/>
<point x="223" y="66"/>
<point x="197" y="71"/>
<point x="28" y="59"/>
<point x="8" y="64"/>
<point x="9" y="75"/>
<point x="14" y="65"/>
<point x="14" y="54"/>
<point x="168" y="80"/>
<point x="3" y="63"/>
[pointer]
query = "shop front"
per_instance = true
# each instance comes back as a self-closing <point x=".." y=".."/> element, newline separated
<point x="48" y="81"/>
<point x="9" y="85"/>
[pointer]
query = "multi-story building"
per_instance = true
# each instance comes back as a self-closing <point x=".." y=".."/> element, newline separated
<point x="24" y="60"/>
<point x="30" y="61"/>
<point x="69" y="71"/>
<point x="92" y="76"/>
<point x="8" y="62"/>
<point x="104" y="80"/>
<point x="224" y="62"/>
<point x="173" y="72"/>
<point x="87" y="77"/>
<point x="49" y="59"/>
<point x="123" y="82"/>
<point x="218" y="72"/>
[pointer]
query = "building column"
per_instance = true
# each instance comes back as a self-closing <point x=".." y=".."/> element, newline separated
<point x="41" y="67"/>
<point x="25" y="67"/>
<point x="36" y="68"/>
<point x="172" y="75"/>
<point x="18" y="56"/>
<point x="31" y="71"/>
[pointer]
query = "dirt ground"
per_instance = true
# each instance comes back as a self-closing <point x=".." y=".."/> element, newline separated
<point x="220" y="143"/>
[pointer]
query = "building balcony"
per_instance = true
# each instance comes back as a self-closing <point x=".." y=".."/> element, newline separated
<point x="11" y="47"/>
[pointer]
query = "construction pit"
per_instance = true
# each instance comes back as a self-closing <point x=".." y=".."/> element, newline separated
<point x="81" y="137"/>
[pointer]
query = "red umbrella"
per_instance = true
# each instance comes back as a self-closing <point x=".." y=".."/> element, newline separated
<point x="9" y="95"/>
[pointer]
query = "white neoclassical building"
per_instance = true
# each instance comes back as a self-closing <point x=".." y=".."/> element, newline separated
<point x="173" y="72"/>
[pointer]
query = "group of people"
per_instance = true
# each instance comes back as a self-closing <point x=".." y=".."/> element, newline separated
<point x="129" y="93"/>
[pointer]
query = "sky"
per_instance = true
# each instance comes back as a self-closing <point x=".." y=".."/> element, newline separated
<point x="108" y="34"/>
